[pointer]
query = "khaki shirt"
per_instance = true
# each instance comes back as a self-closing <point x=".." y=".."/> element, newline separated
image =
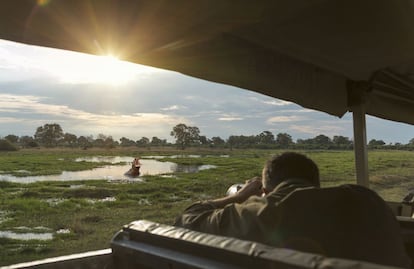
<point x="244" y="221"/>
<point x="347" y="221"/>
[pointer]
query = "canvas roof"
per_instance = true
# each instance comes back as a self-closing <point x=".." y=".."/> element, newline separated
<point x="321" y="54"/>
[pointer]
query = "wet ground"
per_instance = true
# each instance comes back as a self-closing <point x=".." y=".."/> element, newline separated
<point x="150" y="166"/>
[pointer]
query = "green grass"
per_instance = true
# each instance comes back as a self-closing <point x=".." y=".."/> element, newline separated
<point x="93" y="222"/>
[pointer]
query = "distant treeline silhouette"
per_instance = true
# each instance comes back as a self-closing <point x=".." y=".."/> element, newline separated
<point x="52" y="135"/>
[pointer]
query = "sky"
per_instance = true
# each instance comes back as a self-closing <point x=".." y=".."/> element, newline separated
<point x="92" y="95"/>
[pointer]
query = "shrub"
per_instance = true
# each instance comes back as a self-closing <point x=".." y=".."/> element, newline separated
<point x="5" y="145"/>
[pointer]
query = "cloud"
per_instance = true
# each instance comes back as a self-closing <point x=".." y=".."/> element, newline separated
<point x="9" y="120"/>
<point x="303" y="110"/>
<point x="277" y="102"/>
<point x="8" y="110"/>
<point x="314" y="130"/>
<point x="31" y="108"/>
<point x="171" y="108"/>
<point x="230" y="118"/>
<point x="278" y="119"/>
<point x="41" y="85"/>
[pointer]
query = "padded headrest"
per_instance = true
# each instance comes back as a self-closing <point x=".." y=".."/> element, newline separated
<point x="155" y="245"/>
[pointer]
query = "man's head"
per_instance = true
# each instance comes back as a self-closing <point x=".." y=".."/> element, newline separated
<point x="286" y="166"/>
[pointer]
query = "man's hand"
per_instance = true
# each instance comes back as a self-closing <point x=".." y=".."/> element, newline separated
<point x="252" y="187"/>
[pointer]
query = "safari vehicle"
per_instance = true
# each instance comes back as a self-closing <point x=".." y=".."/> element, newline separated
<point x="331" y="56"/>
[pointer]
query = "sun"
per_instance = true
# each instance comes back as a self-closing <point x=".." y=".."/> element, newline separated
<point x="71" y="67"/>
<point x="74" y="67"/>
<point x="110" y="70"/>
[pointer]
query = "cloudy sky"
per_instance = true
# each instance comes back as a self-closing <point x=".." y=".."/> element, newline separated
<point x="89" y="95"/>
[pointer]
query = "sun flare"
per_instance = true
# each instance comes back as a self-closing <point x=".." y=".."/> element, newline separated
<point x="76" y="68"/>
<point x="108" y="69"/>
<point x="72" y="67"/>
<point x="98" y="69"/>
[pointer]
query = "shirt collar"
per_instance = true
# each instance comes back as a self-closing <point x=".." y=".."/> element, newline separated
<point x="292" y="181"/>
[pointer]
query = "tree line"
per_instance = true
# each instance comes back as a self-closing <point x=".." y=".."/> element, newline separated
<point x="52" y="135"/>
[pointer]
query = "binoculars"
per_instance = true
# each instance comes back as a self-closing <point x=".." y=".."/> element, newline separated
<point x="234" y="188"/>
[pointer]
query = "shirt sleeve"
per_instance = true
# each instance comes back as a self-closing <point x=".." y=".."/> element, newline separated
<point x="233" y="220"/>
<point x="197" y="216"/>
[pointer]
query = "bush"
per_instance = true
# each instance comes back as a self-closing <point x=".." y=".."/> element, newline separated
<point x="5" y="145"/>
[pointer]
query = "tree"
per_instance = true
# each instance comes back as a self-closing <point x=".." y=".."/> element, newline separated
<point x="126" y="142"/>
<point x="185" y="135"/>
<point x="284" y="140"/>
<point x="28" y="142"/>
<point x="104" y="141"/>
<point x="109" y="142"/>
<point x="217" y="141"/>
<point x="204" y="140"/>
<point x="266" y="137"/>
<point x="144" y="141"/>
<point x="342" y="142"/>
<point x="322" y="140"/>
<point x="6" y="145"/>
<point x="158" y="142"/>
<point x="84" y="142"/>
<point x="194" y="134"/>
<point x="70" y="139"/>
<point x="231" y="141"/>
<point x="99" y="141"/>
<point x="49" y="134"/>
<point x="12" y="138"/>
<point x="242" y="141"/>
<point x="373" y="143"/>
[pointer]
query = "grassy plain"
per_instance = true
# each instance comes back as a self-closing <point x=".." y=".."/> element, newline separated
<point x="83" y="207"/>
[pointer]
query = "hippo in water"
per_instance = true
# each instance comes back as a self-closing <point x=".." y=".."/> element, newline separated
<point x="134" y="171"/>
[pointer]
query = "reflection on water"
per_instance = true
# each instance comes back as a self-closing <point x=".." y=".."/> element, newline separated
<point x="112" y="172"/>
<point x="184" y="156"/>
<point x="36" y="233"/>
<point x="103" y="200"/>
<point x="26" y="236"/>
<point x="108" y="159"/>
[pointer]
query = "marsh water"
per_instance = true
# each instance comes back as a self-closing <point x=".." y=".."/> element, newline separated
<point x="26" y="236"/>
<point x="119" y="165"/>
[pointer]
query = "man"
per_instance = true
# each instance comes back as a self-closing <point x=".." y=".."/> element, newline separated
<point x="239" y="215"/>
<point x="286" y="208"/>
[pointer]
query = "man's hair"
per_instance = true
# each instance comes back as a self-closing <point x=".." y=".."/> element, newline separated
<point x="289" y="165"/>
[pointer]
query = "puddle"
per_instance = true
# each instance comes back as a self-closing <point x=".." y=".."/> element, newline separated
<point x="63" y="231"/>
<point x="103" y="200"/>
<point x="26" y="236"/>
<point x="113" y="172"/>
<point x="77" y="186"/>
<point x="39" y="229"/>
<point x="108" y="159"/>
<point x="144" y="202"/>
<point x="37" y="233"/>
<point x="169" y="176"/>
<point x="183" y="156"/>
<point x="54" y="201"/>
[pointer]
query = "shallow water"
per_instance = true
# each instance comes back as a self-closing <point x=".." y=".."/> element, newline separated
<point x="112" y="172"/>
<point x="26" y="236"/>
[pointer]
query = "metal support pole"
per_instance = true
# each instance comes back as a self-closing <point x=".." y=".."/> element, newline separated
<point x="360" y="145"/>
